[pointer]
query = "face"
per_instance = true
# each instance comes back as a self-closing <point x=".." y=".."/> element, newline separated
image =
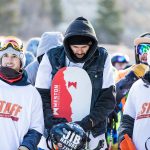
<point x="11" y="61"/>
<point x="79" y="50"/>
<point x="143" y="49"/>
<point x="120" y="66"/>
<point x="143" y="58"/>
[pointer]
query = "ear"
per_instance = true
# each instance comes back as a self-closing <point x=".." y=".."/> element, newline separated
<point x="21" y="64"/>
<point x="0" y="61"/>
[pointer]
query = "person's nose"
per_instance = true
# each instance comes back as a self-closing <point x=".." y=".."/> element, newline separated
<point x="79" y="51"/>
<point x="145" y="54"/>
<point x="9" y="60"/>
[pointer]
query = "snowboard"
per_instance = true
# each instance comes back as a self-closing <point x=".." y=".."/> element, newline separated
<point x="71" y="92"/>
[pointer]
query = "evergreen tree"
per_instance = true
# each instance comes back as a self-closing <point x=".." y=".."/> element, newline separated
<point x="108" y="23"/>
<point x="8" y="17"/>
<point x="56" y="12"/>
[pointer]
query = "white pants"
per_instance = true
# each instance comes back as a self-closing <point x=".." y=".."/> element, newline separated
<point x="43" y="144"/>
<point x="95" y="141"/>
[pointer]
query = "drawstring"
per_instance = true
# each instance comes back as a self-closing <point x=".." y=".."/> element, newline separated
<point x="146" y="143"/>
<point x="88" y="140"/>
<point x="47" y="142"/>
<point x="68" y="64"/>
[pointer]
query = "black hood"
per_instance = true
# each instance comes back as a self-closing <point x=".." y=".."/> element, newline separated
<point x="80" y="27"/>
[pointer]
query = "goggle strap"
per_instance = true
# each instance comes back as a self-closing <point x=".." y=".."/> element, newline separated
<point x="141" y="40"/>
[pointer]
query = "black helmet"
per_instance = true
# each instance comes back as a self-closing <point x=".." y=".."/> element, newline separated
<point x="144" y="38"/>
<point x="120" y="58"/>
<point x="68" y="136"/>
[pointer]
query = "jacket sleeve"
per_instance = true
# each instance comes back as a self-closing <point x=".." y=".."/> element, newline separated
<point x="45" y="95"/>
<point x="44" y="77"/>
<point x="103" y="107"/>
<point x="124" y="85"/>
<point x="31" y="139"/>
<point x="49" y="119"/>
<point x="126" y="127"/>
<point x="129" y="113"/>
<point x="43" y="82"/>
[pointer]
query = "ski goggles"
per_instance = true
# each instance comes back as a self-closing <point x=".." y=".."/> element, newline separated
<point x="143" y="48"/>
<point x="11" y="41"/>
<point x="120" y="59"/>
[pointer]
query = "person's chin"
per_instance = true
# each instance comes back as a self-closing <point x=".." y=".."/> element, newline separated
<point x="79" y="56"/>
<point x="144" y="61"/>
<point x="11" y="67"/>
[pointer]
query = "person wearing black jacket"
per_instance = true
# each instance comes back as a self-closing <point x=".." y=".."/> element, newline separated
<point x="80" y="48"/>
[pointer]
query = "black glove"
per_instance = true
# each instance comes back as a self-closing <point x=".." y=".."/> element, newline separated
<point x="87" y="135"/>
<point x="53" y="121"/>
<point x="111" y="118"/>
<point x="86" y="124"/>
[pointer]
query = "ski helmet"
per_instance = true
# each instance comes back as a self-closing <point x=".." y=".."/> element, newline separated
<point x="120" y="58"/>
<point x="67" y="136"/>
<point x="143" y="39"/>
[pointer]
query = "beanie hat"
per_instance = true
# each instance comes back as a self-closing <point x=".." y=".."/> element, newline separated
<point x="11" y="50"/>
<point x="144" y="38"/>
<point x="79" y="40"/>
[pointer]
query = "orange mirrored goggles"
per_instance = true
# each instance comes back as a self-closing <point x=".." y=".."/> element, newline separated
<point x="11" y="42"/>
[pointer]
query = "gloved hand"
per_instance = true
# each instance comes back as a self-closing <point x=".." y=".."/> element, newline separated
<point x="87" y="136"/>
<point x="127" y="144"/>
<point x="140" y="70"/>
<point x="23" y="148"/>
<point x="113" y="117"/>
<point x="53" y="121"/>
<point x="86" y="123"/>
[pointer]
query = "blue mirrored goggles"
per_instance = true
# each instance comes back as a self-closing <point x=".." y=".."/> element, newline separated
<point x="143" y="48"/>
<point x="120" y="59"/>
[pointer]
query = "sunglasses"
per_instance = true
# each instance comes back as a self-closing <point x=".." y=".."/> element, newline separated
<point x="143" y="48"/>
<point x="11" y="42"/>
